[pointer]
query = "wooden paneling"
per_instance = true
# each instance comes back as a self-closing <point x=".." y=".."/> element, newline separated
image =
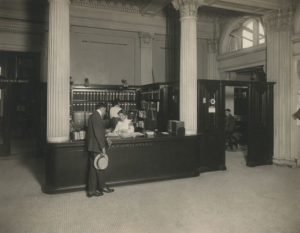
<point x="211" y="124"/>
<point x="260" y="128"/>
<point x="130" y="161"/>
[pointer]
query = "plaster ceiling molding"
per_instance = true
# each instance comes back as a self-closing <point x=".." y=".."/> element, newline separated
<point x="153" y="7"/>
<point x="128" y="6"/>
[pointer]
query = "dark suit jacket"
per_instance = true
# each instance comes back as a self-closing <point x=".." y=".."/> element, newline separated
<point x="96" y="133"/>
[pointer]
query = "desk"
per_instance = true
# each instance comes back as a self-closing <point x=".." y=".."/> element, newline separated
<point x="133" y="160"/>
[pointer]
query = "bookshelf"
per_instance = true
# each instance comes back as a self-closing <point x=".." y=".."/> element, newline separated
<point x="83" y="100"/>
<point x="159" y="103"/>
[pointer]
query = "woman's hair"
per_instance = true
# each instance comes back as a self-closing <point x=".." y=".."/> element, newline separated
<point x="123" y="112"/>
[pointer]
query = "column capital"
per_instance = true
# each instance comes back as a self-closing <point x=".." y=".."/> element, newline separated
<point x="146" y="39"/>
<point x="187" y="8"/>
<point x="281" y="20"/>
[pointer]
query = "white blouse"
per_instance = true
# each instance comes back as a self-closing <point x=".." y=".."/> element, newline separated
<point x="124" y="126"/>
<point x="114" y="111"/>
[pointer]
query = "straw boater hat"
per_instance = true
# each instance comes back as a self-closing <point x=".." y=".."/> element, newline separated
<point x="101" y="161"/>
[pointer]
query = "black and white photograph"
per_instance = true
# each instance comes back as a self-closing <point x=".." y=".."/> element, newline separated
<point x="150" y="116"/>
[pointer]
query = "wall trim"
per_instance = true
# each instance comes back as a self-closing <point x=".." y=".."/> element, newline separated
<point x="242" y="59"/>
<point x="242" y="52"/>
<point x="296" y="38"/>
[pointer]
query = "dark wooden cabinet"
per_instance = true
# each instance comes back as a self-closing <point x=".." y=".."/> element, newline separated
<point x="211" y="124"/>
<point x="19" y="101"/>
<point x="259" y="128"/>
<point x="161" y="103"/>
<point x="260" y="124"/>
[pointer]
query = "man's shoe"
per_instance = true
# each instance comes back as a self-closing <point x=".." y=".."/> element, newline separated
<point x="108" y="190"/>
<point x="96" y="194"/>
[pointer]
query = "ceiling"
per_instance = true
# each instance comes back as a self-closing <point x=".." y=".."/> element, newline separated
<point x="259" y="7"/>
<point x="153" y="7"/>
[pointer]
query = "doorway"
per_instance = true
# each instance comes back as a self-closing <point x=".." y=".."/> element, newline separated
<point x="236" y="124"/>
<point x="258" y="125"/>
<point x="19" y="103"/>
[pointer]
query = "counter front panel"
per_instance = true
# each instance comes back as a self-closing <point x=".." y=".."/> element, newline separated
<point x="130" y="161"/>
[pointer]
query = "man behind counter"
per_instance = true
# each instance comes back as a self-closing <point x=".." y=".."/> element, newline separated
<point x="96" y="144"/>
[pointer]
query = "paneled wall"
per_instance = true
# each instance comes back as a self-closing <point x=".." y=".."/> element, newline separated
<point x="202" y="53"/>
<point x="159" y="62"/>
<point x="162" y="62"/>
<point x="104" y="56"/>
<point x="246" y="58"/>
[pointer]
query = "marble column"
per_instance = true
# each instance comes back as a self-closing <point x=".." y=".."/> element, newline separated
<point x="279" y="63"/>
<point x="58" y="102"/>
<point x="188" y="62"/>
<point x="147" y="75"/>
<point x="296" y="85"/>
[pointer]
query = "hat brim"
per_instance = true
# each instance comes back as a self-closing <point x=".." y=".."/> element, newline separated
<point x="101" y="161"/>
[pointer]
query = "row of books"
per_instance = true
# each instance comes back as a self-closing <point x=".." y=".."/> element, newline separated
<point x="89" y="107"/>
<point x="150" y="105"/>
<point x="104" y="95"/>
<point x="150" y="95"/>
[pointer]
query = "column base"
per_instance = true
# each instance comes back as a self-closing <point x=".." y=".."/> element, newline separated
<point x="286" y="162"/>
<point x="190" y="132"/>
<point x="57" y="139"/>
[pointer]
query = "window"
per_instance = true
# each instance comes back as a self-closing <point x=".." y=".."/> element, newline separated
<point x="250" y="34"/>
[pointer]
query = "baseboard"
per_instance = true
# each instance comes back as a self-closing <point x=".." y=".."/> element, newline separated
<point x="286" y="162"/>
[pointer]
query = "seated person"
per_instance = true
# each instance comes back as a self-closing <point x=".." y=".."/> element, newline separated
<point x="229" y="129"/>
<point x="113" y="113"/>
<point x="124" y="125"/>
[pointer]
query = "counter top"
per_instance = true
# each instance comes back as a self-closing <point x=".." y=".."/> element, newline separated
<point x="118" y="139"/>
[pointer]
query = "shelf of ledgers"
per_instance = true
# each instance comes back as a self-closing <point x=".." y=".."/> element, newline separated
<point x="142" y="105"/>
<point x="86" y="100"/>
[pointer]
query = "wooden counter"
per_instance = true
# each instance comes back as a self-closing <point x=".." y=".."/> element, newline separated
<point x="130" y="161"/>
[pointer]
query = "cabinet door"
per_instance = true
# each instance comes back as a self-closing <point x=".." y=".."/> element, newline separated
<point x="260" y="124"/>
<point x="5" y="132"/>
<point x="211" y="124"/>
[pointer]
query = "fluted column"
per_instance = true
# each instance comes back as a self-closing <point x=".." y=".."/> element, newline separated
<point x="58" y="71"/>
<point x="279" y="58"/>
<point x="296" y="84"/>
<point x="146" y="58"/>
<point x="188" y="62"/>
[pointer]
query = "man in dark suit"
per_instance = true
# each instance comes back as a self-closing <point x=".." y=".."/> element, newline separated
<point x="229" y="129"/>
<point x="96" y="144"/>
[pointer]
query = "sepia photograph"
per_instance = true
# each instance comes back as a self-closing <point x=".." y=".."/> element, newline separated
<point x="150" y="116"/>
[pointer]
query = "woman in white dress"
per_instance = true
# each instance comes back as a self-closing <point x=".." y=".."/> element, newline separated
<point x="124" y="125"/>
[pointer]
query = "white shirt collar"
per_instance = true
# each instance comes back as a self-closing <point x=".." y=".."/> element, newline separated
<point x="98" y="110"/>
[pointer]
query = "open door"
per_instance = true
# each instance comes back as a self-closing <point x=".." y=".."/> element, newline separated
<point x="211" y="124"/>
<point x="260" y="124"/>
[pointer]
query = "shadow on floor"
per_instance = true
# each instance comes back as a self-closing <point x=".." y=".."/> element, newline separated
<point x="35" y="165"/>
